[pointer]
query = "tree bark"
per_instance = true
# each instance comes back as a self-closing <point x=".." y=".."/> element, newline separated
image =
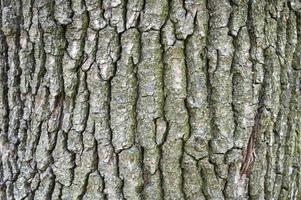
<point x="150" y="99"/>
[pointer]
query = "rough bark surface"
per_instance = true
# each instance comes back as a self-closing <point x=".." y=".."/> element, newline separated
<point x="150" y="99"/>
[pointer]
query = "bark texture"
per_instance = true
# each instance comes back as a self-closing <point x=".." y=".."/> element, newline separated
<point x="150" y="99"/>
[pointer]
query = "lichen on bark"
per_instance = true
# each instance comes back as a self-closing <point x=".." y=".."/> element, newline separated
<point x="150" y="99"/>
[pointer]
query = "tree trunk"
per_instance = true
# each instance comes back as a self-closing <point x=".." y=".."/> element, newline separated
<point x="150" y="99"/>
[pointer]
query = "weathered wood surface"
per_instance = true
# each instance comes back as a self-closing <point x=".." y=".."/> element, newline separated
<point x="150" y="99"/>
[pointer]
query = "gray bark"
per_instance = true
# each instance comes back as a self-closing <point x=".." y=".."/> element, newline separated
<point x="150" y="99"/>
